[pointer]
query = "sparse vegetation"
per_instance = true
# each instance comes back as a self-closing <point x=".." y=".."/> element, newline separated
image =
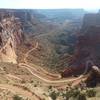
<point x="54" y="95"/>
<point x="25" y="88"/>
<point x="81" y="96"/>
<point x="35" y="85"/>
<point x="78" y="94"/>
<point x="52" y="60"/>
<point x="91" y="93"/>
<point x="71" y="93"/>
<point x="31" y="81"/>
<point x="23" y="81"/>
<point x="17" y="97"/>
<point x="50" y="87"/>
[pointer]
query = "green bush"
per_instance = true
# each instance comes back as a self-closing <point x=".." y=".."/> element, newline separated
<point x="67" y="94"/>
<point x="91" y="93"/>
<point x="16" y="97"/>
<point x="23" y="81"/>
<point x="50" y="87"/>
<point x="81" y="96"/>
<point x="54" y="95"/>
<point x="35" y="85"/>
<point x="75" y="93"/>
<point x="25" y="88"/>
<point x="31" y="81"/>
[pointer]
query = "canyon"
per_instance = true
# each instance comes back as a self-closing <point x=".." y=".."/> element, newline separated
<point x="38" y="52"/>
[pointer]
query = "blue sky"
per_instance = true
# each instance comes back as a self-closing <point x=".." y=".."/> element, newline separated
<point x="42" y="4"/>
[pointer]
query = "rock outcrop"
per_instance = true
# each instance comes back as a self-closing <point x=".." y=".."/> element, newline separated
<point x="93" y="77"/>
<point x="10" y="36"/>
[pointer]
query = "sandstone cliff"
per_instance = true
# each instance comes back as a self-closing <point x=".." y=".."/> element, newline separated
<point x="10" y="37"/>
<point x="87" y="50"/>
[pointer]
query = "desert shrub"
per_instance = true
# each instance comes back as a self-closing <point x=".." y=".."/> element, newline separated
<point x="23" y="81"/>
<point x="81" y="96"/>
<point x="31" y="81"/>
<point x="75" y="93"/>
<point x="50" y="87"/>
<point x="91" y="93"/>
<point x="16" y="97"/>
<point x="68" y="95"/>
<point x="35" y="85"/>
<point x="25" y="88"/>
<point x="54" y="95"/>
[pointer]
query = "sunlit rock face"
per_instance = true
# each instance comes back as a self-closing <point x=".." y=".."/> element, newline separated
<point x="10" y="37"/>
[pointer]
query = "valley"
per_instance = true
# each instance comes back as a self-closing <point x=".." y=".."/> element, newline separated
<point x="40" y="55"/>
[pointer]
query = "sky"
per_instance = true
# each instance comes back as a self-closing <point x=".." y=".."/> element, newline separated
<point x="50" y="4"/>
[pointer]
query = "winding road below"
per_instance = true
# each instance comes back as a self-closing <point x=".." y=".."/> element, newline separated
<point x="38" y="72"/>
